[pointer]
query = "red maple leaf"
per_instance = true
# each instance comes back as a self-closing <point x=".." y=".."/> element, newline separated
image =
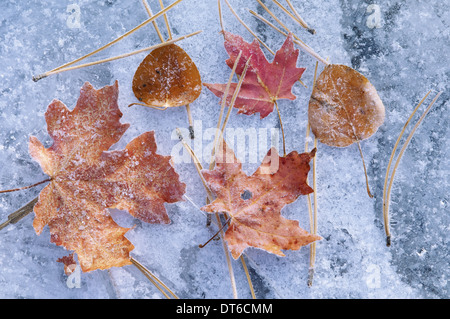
<point x="265" y="82"/>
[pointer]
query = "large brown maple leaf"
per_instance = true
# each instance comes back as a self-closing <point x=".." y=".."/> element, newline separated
<point x="264" y="82"/>
<point x="86" y="179"/>
<point x="254" y="202"/>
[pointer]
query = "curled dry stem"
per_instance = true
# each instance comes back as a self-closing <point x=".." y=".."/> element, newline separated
<point x="387" y="193"/>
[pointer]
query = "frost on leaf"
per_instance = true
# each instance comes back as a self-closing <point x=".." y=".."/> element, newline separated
<point x="167" y="77"/>
<point x="264" y="82"/>
<point x="87" y="179"/>
<point x="344" y="107"/>
<point x="254" y="202"/>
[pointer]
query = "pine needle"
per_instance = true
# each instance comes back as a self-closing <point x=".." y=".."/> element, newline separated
<point x="300" y="43"/>
<point x="20" y="213"/>
<point x="153" y="47"/>
<point x="66" y="65"/>
<point x="153" y="279"/>
<point x="387" y="193"/>
<point x="312" y="218"/>
<point x="199" y="168"/>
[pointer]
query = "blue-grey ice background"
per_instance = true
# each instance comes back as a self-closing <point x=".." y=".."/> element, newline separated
<point x="404" y="54"/>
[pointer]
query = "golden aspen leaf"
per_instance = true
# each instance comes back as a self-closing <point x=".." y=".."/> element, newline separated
<point x="167" y="77"/>
<point x="344" y="107"/>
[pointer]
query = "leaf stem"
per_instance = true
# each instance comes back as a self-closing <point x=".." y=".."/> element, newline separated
<point x="365" y="170"/>
<point x="397" y="162"/>
<point x="313" y="244"/>
<point x="217" y="233"/>
<point x="25" y="187"/>
<point x="191" y="122"/>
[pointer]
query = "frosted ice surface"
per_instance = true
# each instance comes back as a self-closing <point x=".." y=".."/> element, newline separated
<point x="401" y="46"/>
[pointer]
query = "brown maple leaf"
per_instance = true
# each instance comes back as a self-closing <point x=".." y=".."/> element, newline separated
<point x="344" y="107"/>
<point x="264" y="82"/>
<point x="254" y="202"/>
<point x="87" y="179"/>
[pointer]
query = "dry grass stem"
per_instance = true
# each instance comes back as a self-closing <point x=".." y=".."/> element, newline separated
<point x="210" y="199"/>
<point x="222" y="109"/>
<point x="20" y="213"/>
<point x="394" y="150"/>
<point x="65" y="66"/>
<point x="235" y="94"/>
<point x="155" y="25"/>
<point x="299" y="18"/>
<point x="282" y="129"/>
<point x="166" y="21"/>
<point x="155" y="280"/>
<point x="60" y="70"/>
<point x="300" y="43"/>
<point x="296" y="17"/>
<point x="387" y="193"/>
<point x="312" y="217"/>
<point x="248" y="28"/>
<point x="365" y="170"/>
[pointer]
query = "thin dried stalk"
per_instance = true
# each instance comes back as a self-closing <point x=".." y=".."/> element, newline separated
<point x="312" y="218"/>
<point x="60" y="70"/>
<point x="397" y="162"/>
<point x="296" y="17"/>
<point x="300" y="43"/>
<point x="191" y="122"/>
<point x="247" y="27"/>
<point x="282" y="129"/>
<point x="159" y="108"/>
<point x="25" y="187"/>
<point x="222" y="109"/>
<point x="155" y="25"/>
<point x="219" y="6"/>
<point x="44" y="75"/>
<point x="211" y="198"/>
<point x="155" y="280"/>
<point x="299" y="19"/>
<point x="313" y="245"/>
<point x="386" y="178"/>
<point x="166" y="20"/>
<point x="365" y="170"/>
<point x="235" y="94"/>
<point x="20" y="213"/>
